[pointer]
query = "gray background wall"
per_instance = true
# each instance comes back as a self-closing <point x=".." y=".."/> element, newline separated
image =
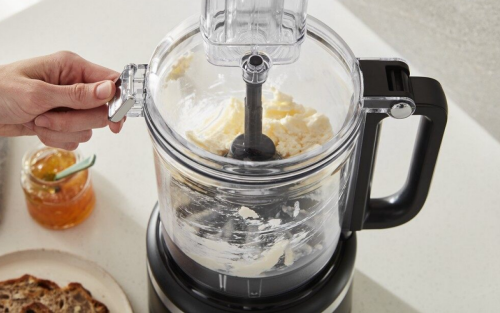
<point x="454" y="41"/>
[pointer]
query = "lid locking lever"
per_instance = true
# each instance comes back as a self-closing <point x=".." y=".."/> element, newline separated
<point x="130" y="93"/>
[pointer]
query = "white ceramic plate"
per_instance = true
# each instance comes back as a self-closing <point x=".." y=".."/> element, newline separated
<point x="64" y="268"/>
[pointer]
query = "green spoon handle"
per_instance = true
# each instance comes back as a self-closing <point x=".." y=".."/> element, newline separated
<point x="80" y="166"/>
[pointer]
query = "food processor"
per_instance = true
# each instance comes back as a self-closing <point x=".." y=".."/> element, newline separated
<point x="264" y="128"/>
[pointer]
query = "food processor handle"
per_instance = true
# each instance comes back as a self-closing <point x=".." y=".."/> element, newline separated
<point x="391" y="79"/>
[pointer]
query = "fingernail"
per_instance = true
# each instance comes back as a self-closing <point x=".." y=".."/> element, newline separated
<point x="42" y="121"/>
<point x="29" y="125"/>
<point x="103" y="90"/>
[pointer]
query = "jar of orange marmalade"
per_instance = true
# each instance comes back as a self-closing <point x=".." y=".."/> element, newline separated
<point x="57" y="204"/>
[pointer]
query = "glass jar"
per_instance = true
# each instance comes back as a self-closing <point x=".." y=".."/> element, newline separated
<point x="57" y="204"/>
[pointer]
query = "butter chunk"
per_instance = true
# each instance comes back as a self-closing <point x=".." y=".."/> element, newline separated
<point x="292" y="127"/>
<point x="180" y="67"/>
<point x="217" y="133"/>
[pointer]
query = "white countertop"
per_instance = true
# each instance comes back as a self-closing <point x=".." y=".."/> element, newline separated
<point x="445" y="260"/>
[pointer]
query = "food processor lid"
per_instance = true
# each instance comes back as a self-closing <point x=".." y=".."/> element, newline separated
<point x="181" y="77"/>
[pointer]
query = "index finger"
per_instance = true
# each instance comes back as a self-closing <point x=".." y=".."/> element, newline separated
<point x="66" y="68"/>
<point x="75" y="69"/>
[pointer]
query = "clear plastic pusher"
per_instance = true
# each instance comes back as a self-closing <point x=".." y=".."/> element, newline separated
<point x="233" y="28"/>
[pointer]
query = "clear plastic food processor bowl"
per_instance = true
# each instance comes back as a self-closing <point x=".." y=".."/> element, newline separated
<point x="254" y="221"/>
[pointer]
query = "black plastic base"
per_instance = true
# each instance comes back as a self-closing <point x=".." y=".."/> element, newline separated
<point x="157" y="306"/>
<point x="171" y="290"/>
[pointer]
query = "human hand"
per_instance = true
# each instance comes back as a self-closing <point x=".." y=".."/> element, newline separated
<point x="59" y="97"/>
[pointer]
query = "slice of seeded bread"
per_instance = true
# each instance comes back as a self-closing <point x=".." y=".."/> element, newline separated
<point x="19" y="294"/>
<point x="79" y="298"/>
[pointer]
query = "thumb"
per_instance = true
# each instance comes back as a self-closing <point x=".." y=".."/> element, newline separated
<point x="82" y="96"/>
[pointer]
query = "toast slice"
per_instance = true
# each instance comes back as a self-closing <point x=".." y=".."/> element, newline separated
<point x="35" y="295"/>
<point x="19" y="292"/>
<point x="79" y="298"/>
